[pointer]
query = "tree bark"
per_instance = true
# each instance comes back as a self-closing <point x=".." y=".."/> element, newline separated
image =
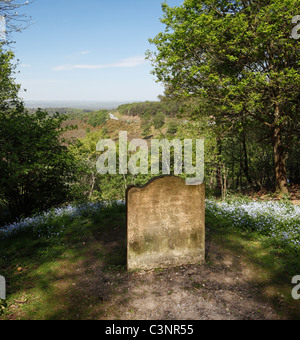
<point x="246" y="163"/>
<point x="92" y="186"/>
<point x="219" y="170"/>
<point x="280" y="166"/>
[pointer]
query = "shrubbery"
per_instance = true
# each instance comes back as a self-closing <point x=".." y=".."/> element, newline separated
<point x="98" y="118"/>
<point x="37" y="169"/>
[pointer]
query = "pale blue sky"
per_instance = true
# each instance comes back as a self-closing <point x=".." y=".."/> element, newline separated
<point x="89" y="50"/>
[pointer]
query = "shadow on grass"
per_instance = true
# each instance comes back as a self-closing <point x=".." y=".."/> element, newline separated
<point x="270" y="270"/>
<point x="76" y="275"/>
<point x="65" y="277"/>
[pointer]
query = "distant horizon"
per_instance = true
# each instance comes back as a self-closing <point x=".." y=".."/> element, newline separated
<point x="91" y="49"/>
<point x="77" y="104"/>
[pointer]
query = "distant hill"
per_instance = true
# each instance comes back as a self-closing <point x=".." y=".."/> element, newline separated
<point x="84" y="105"/>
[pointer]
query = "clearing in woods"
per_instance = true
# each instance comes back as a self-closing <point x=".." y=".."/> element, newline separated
<point x="83" y="276"/>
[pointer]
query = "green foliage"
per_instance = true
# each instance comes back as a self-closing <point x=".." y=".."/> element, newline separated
<point x="146" y="129"/>
<point x="72" y="113"/>
<point x="168" y="107"/>
<point x="146" y="124"/>
<point x="104" y="131"/>
<point x="147" y="121"/>
<point x="159" y="121"/>
<point x="172" y="127"/>
<point x="98" y="118"/>
<point x="36" y="169"/>
<point x="85" y="154"/>
<point x="239" y="60"/>
<point x="8" y="88"/>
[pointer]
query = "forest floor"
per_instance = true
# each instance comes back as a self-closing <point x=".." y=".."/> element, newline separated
<point x="294" y="195"/>
<point x="85" y="277"/>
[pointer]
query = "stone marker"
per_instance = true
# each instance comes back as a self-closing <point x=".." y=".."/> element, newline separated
<point x="165" y="224"/>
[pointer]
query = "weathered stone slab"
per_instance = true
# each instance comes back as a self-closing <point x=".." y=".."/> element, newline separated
<point x="165" y="224"/>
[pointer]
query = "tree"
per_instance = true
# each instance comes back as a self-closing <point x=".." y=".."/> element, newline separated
<point x="36" y="168"/>
<point x="10" y="12"/>
<point x="239" y="60"/>
<point x="8" y="88"/>
<point x="98" y="118"/>
<point x="172" y="127"/>
<point x="159" y="120"/>
<point x="146" y="124"/>
<point x="84" y="151"/>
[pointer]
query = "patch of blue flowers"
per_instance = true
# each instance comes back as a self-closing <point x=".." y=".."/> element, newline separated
<point x="279" y="221"/>
<point x="53" y="222"/>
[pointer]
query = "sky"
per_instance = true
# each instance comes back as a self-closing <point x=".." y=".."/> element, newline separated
<point x="91" y="50"/>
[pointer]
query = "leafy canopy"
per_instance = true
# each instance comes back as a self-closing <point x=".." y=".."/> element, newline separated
<point x="239" y="60"/>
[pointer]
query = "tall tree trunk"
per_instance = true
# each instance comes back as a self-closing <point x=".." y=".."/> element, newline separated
<point x="219" y="169"/>
<point x="280" y="166"/>
<point x="93" y="182"/>
<point x="246" y="163"/>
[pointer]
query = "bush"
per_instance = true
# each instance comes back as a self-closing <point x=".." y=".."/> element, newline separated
<point x="159" y="121"/>
<point x="172" y="128"/>
<point x="36" y="168"/>
<point x="98" y="118"/>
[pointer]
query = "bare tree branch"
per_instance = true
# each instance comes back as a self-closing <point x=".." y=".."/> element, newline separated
<point x="12" y="18"/>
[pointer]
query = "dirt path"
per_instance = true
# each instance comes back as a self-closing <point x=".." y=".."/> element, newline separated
<point x="222" y="289"/>
<point x="200" y="292"/>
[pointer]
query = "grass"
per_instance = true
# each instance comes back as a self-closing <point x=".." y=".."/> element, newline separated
<point x="270" y="268"/>
<point x="66" y="263"/>
<point x="276" y="223"/>
<point x="265" y="236"/>
<point x="43" y="269"/>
